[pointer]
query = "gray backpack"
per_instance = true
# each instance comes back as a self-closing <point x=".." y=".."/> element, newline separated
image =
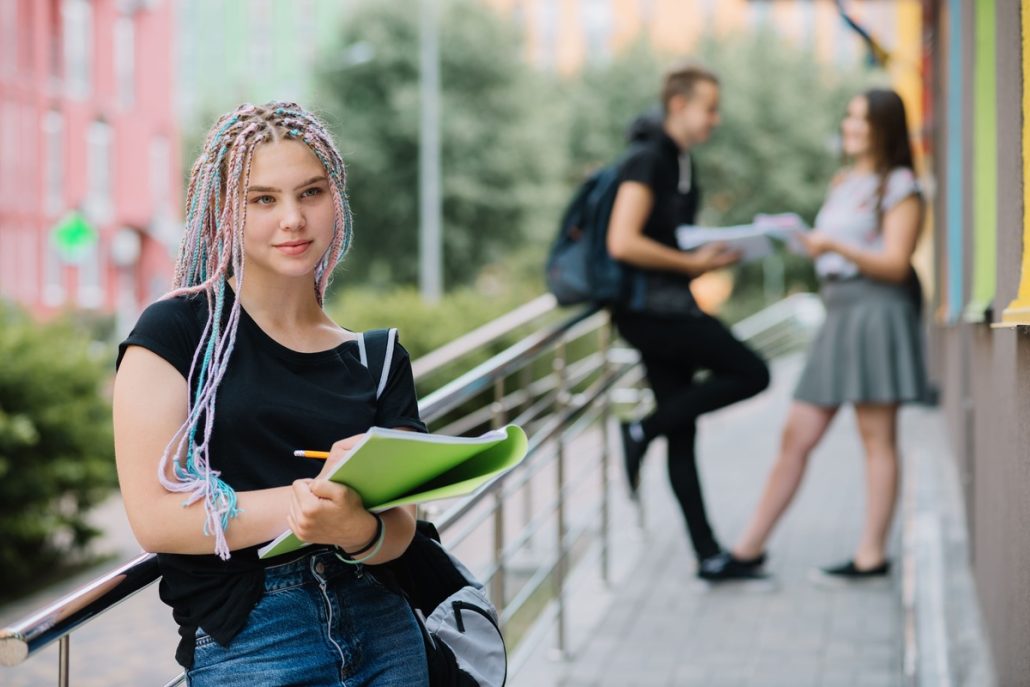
<point x="460" y="627"/>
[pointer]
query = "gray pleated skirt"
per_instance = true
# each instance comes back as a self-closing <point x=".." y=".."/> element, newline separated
<point x="869" y="349"/>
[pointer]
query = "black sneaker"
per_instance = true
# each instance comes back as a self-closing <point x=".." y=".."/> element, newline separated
<point x="848" y="573"/>
<point x="725" y="567"/>
<point x="632" y="456"/>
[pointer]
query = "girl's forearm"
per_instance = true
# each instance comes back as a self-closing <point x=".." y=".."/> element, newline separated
<point x="876" y="264"/>
<point x="164" y="525"/>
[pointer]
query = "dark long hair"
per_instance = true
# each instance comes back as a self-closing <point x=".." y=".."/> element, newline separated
<point x="888" y="130"/>
<point x="891" y="147"/>
<point x="888" y="137"/>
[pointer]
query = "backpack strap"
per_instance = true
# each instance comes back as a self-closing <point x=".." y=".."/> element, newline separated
<point x="376" y="350"/>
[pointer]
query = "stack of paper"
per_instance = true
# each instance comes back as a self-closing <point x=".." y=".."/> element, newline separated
<point x="753" y="241"/>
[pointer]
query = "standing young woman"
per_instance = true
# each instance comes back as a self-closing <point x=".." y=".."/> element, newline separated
<point x="868" y="352"/>
<point x="217" y="385"/>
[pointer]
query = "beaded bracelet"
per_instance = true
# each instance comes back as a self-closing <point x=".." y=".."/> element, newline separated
<point x="376" y="544"/>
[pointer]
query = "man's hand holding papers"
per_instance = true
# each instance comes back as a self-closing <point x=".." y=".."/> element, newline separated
<point x="752" y="241"/>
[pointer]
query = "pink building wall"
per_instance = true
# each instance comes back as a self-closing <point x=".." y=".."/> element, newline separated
<point x="87" y="123"/>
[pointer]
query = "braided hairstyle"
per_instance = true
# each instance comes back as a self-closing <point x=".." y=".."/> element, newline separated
<point x="211" y="251"/>
<point x="889" y="139"/>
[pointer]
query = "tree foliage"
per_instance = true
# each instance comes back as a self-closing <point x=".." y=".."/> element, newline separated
<point x="776" y="147"/>
<point x="56" y="447"/>
<point x="493" y="170"/>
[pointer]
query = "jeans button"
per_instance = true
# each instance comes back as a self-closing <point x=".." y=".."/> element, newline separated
<point x="320" y="567"/>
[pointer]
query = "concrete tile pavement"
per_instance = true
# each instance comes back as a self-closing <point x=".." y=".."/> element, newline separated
<point x="662" y="627"/>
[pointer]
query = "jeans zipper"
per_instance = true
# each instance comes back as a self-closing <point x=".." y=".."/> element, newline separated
<point x="329" y="624"/>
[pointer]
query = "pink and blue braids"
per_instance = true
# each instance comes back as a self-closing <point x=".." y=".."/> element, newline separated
<point x="211" y="251"/>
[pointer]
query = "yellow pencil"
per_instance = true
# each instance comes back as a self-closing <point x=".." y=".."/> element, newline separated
<point x="320" y="455"/>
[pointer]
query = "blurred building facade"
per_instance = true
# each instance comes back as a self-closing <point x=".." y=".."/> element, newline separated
<point x="979" y="62"/>
<point x="234" y="51"/>
<point x="87" y="125"/>
<point x="566" y="34"/>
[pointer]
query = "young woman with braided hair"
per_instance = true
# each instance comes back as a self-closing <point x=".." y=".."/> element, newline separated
<point x="220" y="381"/>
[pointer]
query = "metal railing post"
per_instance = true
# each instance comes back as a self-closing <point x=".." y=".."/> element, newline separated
<point x="525" y="380"/>
<point x="604" y="344"/>
<point x="64" y="646"/>
<point x="561" y="371"/>
<point x="497" y="582"/>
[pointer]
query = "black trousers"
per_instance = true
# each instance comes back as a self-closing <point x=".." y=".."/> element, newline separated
<point x="673" y="351"/>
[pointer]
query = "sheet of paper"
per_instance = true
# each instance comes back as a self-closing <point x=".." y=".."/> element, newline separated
<point x="754" y="241"/>
<point x="751" y="242"/>
<point x="786" y="227"/>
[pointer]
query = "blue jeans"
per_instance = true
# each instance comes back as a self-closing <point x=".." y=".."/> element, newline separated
<point x="320" y="622"/>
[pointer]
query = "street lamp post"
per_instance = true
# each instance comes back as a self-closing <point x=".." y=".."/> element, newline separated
<point x="430" y="235"/>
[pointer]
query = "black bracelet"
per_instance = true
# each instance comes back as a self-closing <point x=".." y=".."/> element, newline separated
<point x="369" y="545"/>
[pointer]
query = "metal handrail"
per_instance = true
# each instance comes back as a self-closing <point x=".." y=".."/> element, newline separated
<point x="774" y="324"/>
<point x="482" y="336"/>
<point x="32" y="633"/>
<point x="57" y="620"/>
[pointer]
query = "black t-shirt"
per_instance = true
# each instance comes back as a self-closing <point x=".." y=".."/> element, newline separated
<point x="271" y="401"/>
<point x="656" y="162"/>
<point x="671" y="176"/>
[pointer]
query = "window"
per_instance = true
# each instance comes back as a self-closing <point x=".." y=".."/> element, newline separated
<point x="53" y="277"/>
<point x="54" y="39"/>
<point x="27" y="279"/>
<point x="597" y="20"/>
<point x="77" y="30"/>
<point x="547" y="18"/>
<point x="28" y="168"/>
<point x="8" y="155"/>
<point x="8" y="37"/>
<point x="26" y="44"/>
<point x="125" y="59"/>
<point x="98" y="172"/>
<point x="90" y="293"/>
<point x="160" y="163"/>
<point x="260" y="41"/>
<point x="307" y="30"/>
<point x="8" y="261"/>
<point x="53" y="170"/>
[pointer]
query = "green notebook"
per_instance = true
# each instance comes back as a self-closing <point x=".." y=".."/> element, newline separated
<point x="390" y="467"/>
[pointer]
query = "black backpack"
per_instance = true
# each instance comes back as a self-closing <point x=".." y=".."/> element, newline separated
<point x="579" y="267"/>
<point x="460" y="626"/>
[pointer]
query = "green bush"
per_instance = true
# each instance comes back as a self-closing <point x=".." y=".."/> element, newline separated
<point x="56" y="447"/>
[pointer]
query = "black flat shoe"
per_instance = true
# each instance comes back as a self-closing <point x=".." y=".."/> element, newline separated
<point x="725" y="567"/>
<point x="849" y="573"/>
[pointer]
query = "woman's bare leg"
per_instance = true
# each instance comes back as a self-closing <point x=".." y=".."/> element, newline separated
<point x="877" y="424"/>
<point x="805" y="426"/>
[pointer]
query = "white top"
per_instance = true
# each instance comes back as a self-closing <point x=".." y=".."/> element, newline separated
<point x="849" y="215"/>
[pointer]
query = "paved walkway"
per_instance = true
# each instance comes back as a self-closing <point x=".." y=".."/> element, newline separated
<point x="658" y="626"/>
